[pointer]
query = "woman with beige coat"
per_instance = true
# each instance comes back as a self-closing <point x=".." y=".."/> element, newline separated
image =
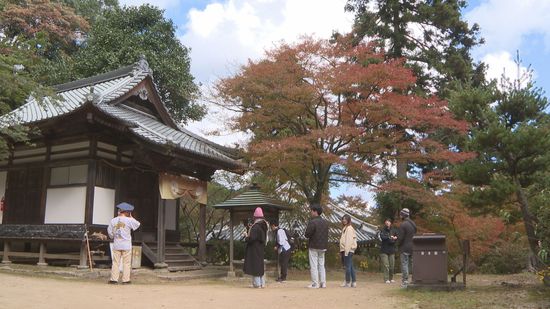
<point x="348" y="244"/>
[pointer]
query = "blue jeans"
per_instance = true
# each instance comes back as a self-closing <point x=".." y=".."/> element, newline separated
<point x="350" y="271"/>
<point x="258" y="281"/>
<point x="406" y="259"/>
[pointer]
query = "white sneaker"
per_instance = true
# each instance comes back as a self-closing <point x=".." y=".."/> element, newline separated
<point x="344" y="285"/>
<point x="387" y="281"/>
<point x="312" y="286"/>
<point x="323" y="285"/>
<point x="354" y="284"/>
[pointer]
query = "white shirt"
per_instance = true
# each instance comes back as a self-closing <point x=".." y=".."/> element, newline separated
<point x="120" y="232"/>
<point x="282" y="240"/>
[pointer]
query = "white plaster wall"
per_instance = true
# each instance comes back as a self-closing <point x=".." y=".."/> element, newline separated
<point x="65" y="205"/>
<point x="104" y="205"/>
<point x="3" y="176"/>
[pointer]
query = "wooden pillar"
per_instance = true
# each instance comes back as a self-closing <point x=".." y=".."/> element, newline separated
<point x="45" y="184"/>
<point x="202" y="232"/>
<point x="5" y="257"/>
<point x="90" y="189"/>
<point x="90" y="185"/>
<point x="41" y="258"/>
<point x="161" y="235"/>
<point x="231" y="239"/>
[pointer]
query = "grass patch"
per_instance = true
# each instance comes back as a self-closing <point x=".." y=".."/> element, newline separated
<point x="513" y="291"/>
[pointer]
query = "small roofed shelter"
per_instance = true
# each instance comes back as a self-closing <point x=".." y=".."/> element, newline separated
<point x="101" y="141"/>
<point x="333" y="213"/>
<point x="241" y="208"/>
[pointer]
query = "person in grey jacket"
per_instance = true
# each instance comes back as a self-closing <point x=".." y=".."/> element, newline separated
<point x="407" y="229"/>
<point x="317" y="235"/>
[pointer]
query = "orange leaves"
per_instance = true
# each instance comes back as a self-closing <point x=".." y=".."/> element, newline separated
<point x="321" y="110"/>
<point x="57" y="21"/>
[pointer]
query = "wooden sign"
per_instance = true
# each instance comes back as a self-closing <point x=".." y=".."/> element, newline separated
<point x="173" y="187"/>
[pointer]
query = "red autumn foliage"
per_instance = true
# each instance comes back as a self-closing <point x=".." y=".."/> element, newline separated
<point x="322" y="112"/>
<point x="54" y="20"/>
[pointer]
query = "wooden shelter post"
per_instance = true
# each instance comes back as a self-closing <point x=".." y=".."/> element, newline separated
<point x="231" y="239"/>
<point x="161" y="236"/>
<point x="242" y="206"/>
<point x="202" y="232"/>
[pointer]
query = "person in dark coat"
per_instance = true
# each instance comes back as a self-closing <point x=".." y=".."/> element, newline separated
<point x="407" y="229"/>
<point x="256" y="239"/>
<point x="317" y="235"/>
<point x="388" y="236"/>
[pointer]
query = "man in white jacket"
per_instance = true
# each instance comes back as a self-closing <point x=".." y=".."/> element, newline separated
<point x="120" y="231"/>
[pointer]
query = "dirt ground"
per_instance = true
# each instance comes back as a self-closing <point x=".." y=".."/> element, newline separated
<point x="24" y="291"/>
<point x="38" y="290"/>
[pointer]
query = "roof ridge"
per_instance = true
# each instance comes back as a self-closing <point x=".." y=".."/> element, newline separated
<point x="230" y="152"/>
<point x="140" y="66"/>
<point x="96" y="79"/>
<point x="338" y="207"/>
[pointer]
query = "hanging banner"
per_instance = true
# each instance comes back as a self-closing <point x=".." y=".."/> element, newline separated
<point x="173" y="187"/>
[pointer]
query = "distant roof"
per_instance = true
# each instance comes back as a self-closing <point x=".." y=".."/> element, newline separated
<point x="251" y="198"/>
<point x="102" y="91"/>
<point x="365" y="231"/>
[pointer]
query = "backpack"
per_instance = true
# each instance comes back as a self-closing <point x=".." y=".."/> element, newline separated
<point x="290" y="239"/>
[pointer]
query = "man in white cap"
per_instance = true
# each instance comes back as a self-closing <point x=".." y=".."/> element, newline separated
<point x="119" y="231"/>
<point x="407" y="229"/>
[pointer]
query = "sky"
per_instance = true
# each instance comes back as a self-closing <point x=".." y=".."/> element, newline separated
<point x="224" y="34"/>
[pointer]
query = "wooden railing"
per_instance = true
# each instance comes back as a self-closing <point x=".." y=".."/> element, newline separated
<point x="152" y="256"/>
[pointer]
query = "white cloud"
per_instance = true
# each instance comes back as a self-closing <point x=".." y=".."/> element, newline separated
<point x="503" y="63"/>
<point x="225" y="34"/>
<point x="506" y="24"/>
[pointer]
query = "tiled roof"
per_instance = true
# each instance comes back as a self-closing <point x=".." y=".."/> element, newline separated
<point x="251" y="198"/>
<point x="101" y="91"/>
<point x="365" y="231"/>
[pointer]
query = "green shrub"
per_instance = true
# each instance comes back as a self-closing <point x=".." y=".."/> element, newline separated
<point x="506" y="257"/>
<point x="300" y="259"/>
<point x="218" y="251"/>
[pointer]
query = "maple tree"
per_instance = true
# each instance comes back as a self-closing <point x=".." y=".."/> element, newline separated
<point x="325" y="112"/>
<point x="50" y="27"/>
<point x="435" y="42"/>
<point x="33" y="34"/>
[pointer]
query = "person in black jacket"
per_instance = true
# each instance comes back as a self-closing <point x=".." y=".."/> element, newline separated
<point x="388" y="236"/>
<point x="256" y="239"/>
<point x="317" y="235"/>
<point x="407" y="229"/>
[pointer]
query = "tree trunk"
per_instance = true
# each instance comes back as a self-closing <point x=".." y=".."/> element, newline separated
<point x="529" y="222"/>
<point x="316" y="198"/>
<point x="401" y="165"/>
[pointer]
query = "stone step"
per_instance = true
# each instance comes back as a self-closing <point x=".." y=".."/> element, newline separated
<point x="184" y="268"/>
<point x="180" y="260"/>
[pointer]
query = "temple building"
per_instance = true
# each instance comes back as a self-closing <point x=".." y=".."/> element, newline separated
<point x="103" y="140"/>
